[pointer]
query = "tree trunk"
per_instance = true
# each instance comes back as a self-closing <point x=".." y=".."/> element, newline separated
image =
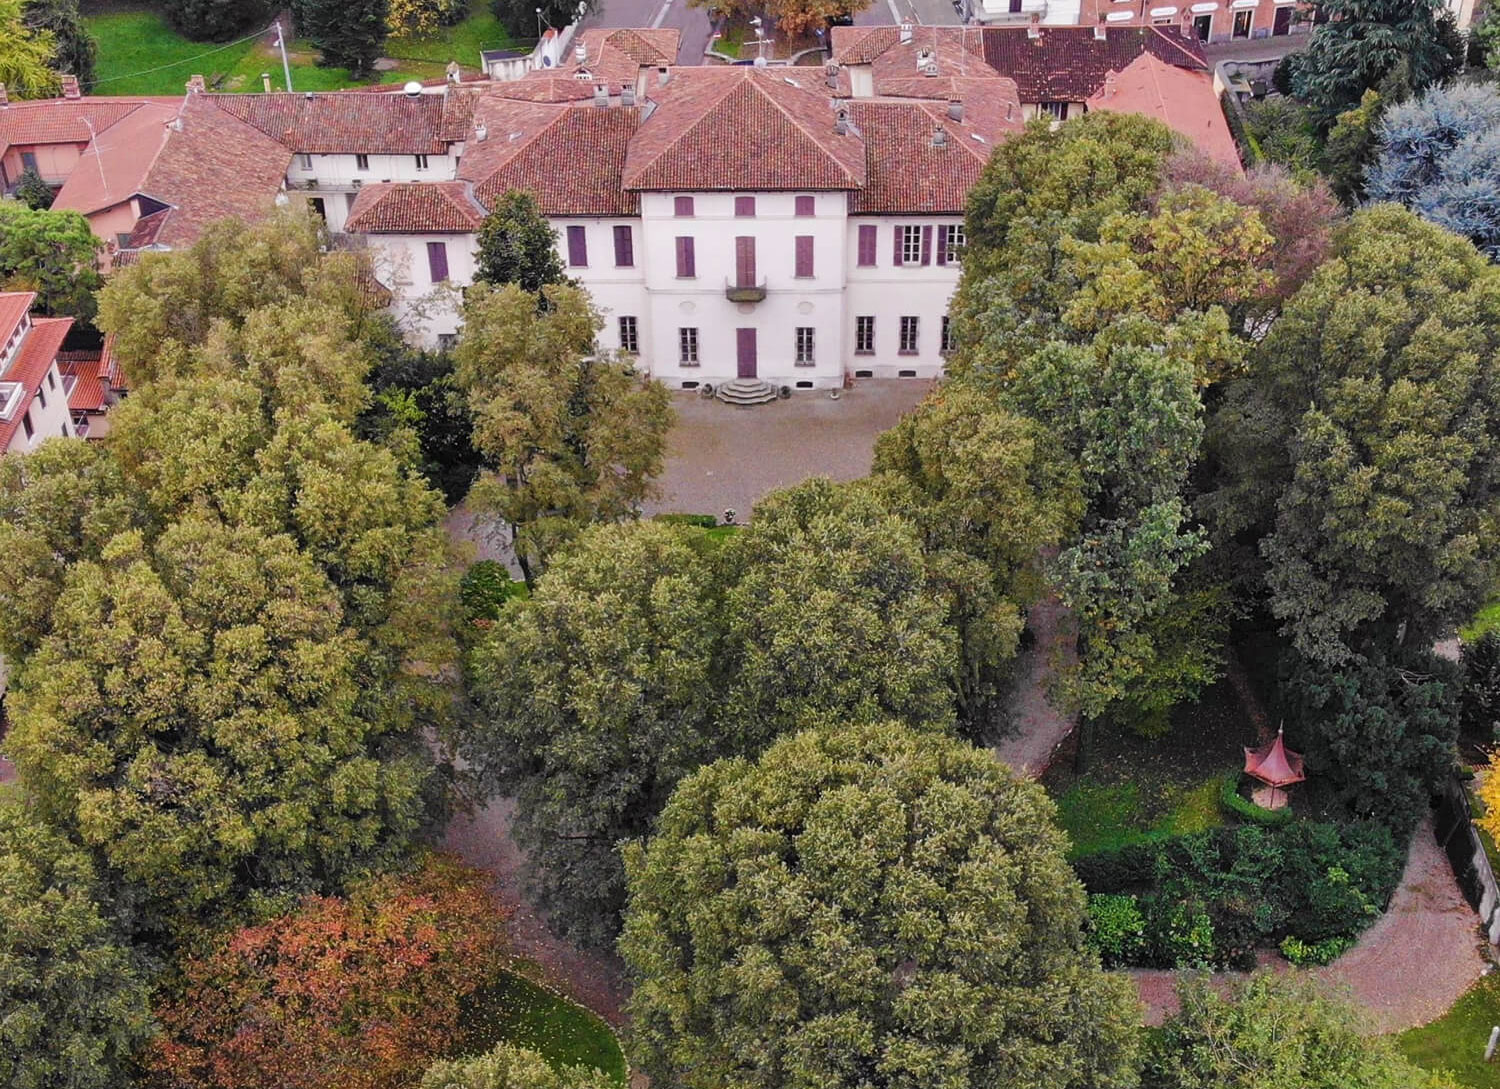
<point x="1084" y="749"/>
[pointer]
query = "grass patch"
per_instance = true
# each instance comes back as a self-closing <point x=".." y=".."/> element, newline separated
<point x="1486" y="620"/>
<point x="516" y="1011"/>
<point x="130" y="42"/>
<point x="462" y="42"/>
<point x="1455" y="1042"/>
<point x="1107" y="816"/>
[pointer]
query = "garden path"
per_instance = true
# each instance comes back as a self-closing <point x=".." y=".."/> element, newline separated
<point x="1038" y="726"/>
<point x="1407" y="969"/>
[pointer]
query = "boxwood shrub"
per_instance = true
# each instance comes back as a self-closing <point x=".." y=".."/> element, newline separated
<point x="1232" y="801"/>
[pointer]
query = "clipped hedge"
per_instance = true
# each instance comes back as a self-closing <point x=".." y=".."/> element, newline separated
<point x="1232" y="801"/>
<point x="1216" y="897"/>
<point x="703" y="521"/>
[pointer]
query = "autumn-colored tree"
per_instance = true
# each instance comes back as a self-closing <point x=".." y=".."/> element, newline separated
<point x="26" y="54"/>
<point x="507" y="1067"/>
<point x="416" y="18"/>
<point x="342" y="993"/>
<point x="791" y="17"/>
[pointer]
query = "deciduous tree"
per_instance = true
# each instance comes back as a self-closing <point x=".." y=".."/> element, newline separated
<point x="518" y="246"/>
<point x="26" y="54"/>
<point x="52" y="253"/>
<point x="342" y="993"/>
<point x="75" y="1000"/>
<point x="867" y="907"/>
<point x="507" y="1067"/>
<point x="569" y="437"/>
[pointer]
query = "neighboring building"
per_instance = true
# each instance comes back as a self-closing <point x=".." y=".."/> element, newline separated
<point x="50" y="136"/>
<point x="94" y="384"/>
<point x="33" y="400"/>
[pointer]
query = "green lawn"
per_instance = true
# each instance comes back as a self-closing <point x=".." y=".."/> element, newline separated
<point x="1487" y="619"/>
<point x="140" y="54"/>
<point x="517" y="1011"/>
<point x="1455" y="1042"/>
<point x="1107" y="816"/>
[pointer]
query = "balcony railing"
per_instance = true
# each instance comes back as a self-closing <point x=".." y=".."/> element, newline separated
<point x="745" y="293"/>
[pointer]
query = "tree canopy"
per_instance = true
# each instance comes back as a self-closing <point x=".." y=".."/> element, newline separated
<point x="73" y="994"/>
<point x="52" y="253"/>
<point x="74" y="48"/>
<point x="26" y="54"/>
<point x="348" y="33"/>
<point x="518" y="246"/>
<point x="866" y="906"/>
<point x="1359" y="45"/>
<point x="568" y="437"/>
<point x="215" y="20"/>
<point x="507" y="1067"/>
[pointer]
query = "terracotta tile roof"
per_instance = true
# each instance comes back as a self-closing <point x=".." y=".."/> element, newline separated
<point x="526" y="143"/>
<point x="61" y="120"/>
<point x="114" y="167"/>
<point x="415" y="208"/>
<point x="648" y="48"/>
<point x="861" y="45"/>
<point x="907" y="174"/>
<point x="345" y="122"/>
<point x="611" y="57"/>
<point x="146" y="229"/>
<point x="30" y="365"/>
<point x="14" y="306"/>
<point x="743" y="128"/>
<point x="109" y="366"/>
<point x="88" y="387"/>
<point x="1184" y="100"/>
<point x="212" y="168"/>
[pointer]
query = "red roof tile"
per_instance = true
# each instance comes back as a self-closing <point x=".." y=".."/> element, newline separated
<point x="415" y="208"/>
<point x="346" y="122"/>
<point x="14" y="306"/>
<point x="907" y="173"/>
<point x="114" y="167"/>
<point x="743" y="128"/>
<point x="526" y="144"/>
<point x="61" y="120"/>
<point x="38" y="351"/>
<point x="1183" y="100"/>
<point x="87" y="392"/>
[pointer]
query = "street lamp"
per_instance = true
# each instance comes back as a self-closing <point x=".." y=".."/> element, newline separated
<point x="538" y="24"/>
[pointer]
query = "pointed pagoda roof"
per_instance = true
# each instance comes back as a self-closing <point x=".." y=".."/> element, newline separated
<point x="1274" y="764"/>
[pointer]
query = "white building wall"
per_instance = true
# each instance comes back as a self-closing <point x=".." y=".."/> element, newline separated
<point x="48" y="413"/>
<point x="425" y="310"/>
<point x="887" y="292"/>
<point x="336" y="178"/>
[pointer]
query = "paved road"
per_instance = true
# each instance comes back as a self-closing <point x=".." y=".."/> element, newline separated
<point x="692" y="22"/>
<point x="922" y="12"/>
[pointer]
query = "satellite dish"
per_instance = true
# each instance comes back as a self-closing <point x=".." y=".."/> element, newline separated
<point x="760" y="62"/>
<point x="412" y="89"/>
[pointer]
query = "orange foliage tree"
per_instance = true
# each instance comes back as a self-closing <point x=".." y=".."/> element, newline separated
<point x="360" y="992"/>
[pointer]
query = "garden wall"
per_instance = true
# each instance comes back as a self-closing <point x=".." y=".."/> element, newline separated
<point x="1454" y="825"/>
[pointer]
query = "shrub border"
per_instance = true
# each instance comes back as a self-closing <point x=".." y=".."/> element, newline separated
<point x="1230" y="800"/>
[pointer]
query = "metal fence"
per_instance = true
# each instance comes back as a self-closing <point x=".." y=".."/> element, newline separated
<point x="1454" y="826"/>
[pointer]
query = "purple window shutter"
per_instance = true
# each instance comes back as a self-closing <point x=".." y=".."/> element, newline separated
<point x="682" y="206"/>
<point x="744" y="261"/>
<point x="437" y="261"/>
<point x="744" y="207"/>
<point x="804" y="206"/>
<point x="943" y="245"/>
<point x="867" y="244"/>
<point x="927" y="244"/>
<point x="624" y="247"/>
<point x="686" y="265"/>
<point x="804" y="255"/>
<point x="896" y="237"/>
<point x="578" y="249"/>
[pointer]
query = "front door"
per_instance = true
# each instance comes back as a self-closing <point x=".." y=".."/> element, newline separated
<point x="744" y="342"/>
<point x="1242" y="23"/>
<point x="1203" y="27"/>
<point x="1283" y="23"/>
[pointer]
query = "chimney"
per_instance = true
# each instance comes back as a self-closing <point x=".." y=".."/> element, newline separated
<point x="662" y="75"/>
<point x="4" y="101"/>
<point x="1100" y="33"/>
<point x="905" y="33"/>
<point x="955" y="110"/>
<point x="601" y="94"/>
<point x="1009" y="110"/>
<point x="481" y="133"/>
<point x="1109" y="85"/>
<point x="195" y="84"/>
<point x="580" y="53"/>
<point x="841" y="123"/>
<point x="70" y="87"/>
<point x="453" y="72"/>
<point x="831" y="75"/>
<point x="939" y="137"/>
<point x="265" y="81"/>
<point x="627" y="95"/>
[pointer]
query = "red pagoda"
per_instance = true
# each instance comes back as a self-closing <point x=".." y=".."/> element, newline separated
<point x="1275" y="766"/>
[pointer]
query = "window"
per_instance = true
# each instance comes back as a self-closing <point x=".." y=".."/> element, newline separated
<point x="804" y="345"/>
<point x="421" y="162"/>
<point x="804" y="255"/>
<point x="687" y="346"/>
<point x="744" y="207"/>
<point x="950" y="243"/>
<point x="578" y="248"/>
<point x="361" y="162"/>
<point x="41" y="396"/>
<point x="26" y="424"/>
<point x="867" y="245"/>
<point x="1242" y="23"/>
<point x="1058" y="111"/>
<point x="28" y="161"/>
<point x="946" y="344"/>
<point x="908" y="336"/>
<point x="687" y="265"/>
<point x="744" y="261"/>
<point x="624" y="247"/>
<point x="51" y="379"/>
<point x="805" y="206"/>
<point x="447" y="341"/>
<point x="908" y="245"/>
<point x="682" y="206"/>
<point x="437" y="261"/>
<point x="122" y="239"/>
<point x="630" y="340"/>
<point x="864" y="335"/>
<point x="304" y="161"/>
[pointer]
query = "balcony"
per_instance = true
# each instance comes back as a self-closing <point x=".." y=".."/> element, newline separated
<point x="745" y="293"/>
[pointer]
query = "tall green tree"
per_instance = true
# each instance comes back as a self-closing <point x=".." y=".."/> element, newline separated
<point x="1274" y="1031"/>
<point x="348" y="33"/>
<point x="74" y="47"/>
<point x="507" y="1067"/>
<point x="75" y="1000"/>
<point x="595" y="696"/>
<point x="215" y="20"/>
<point x="867" y="907"/>
<point x="26" y="54"/>
<point x="1359" y="450"/>
<point x="1362" y="42"/>
<point x="194" y="715"/>
<point x="518" y="246"/>
<point x="33" y="192"/>
<point x="52" y="253"/>
<point x="568" y="438"/>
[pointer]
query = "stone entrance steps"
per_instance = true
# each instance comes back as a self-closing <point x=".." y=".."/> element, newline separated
<point x="746" y="391"/>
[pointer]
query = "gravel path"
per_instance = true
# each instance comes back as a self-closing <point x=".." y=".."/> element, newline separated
<point x="1407" y="969"/>
<point x="1038" y="727"/>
